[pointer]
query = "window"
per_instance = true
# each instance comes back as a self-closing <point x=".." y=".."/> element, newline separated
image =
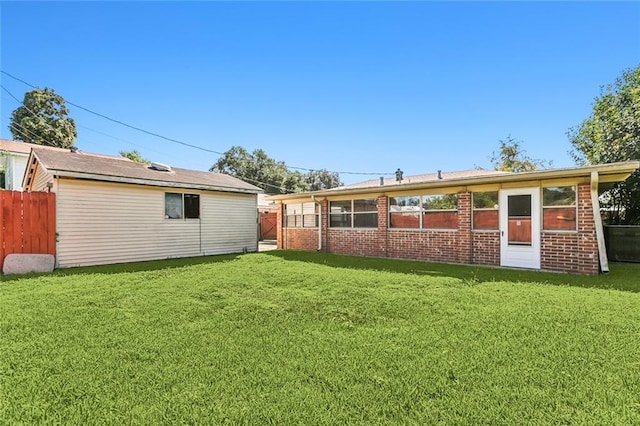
<point x="361" y="213"/>
<point x="485" y="210"/>
<point x="559" y="208"/>
<point x="301" y="215"/>
<point x="181" y="206"/>
<point x="428" y="211"/>
<point x="404" y="212"/>
<point x="440" y="211"/>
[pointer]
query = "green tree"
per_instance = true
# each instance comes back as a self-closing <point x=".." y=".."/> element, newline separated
<point x="274" y="177"/>
<point x="512" y="158"/>
<point x="134" y="155"/>
<point x="611" y="134"/>
<point x="43" y="119"/>
<point x="322" y="179"/>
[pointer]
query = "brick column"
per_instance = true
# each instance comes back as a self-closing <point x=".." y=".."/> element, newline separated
<point x="383" y="225"/>
<point x="588" y="259"/>
<point x="324" y="225"/>
<point x="279" y="234"/>
<point x="465" y="251"/>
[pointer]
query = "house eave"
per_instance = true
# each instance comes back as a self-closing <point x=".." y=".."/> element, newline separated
<point x="612" y="172"/>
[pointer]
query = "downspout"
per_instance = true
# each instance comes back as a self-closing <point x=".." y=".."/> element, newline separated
<point x="595" y="203"/>
<point x="313" y="197"/>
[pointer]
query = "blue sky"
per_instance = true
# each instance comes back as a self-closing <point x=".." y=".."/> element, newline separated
<point x="346" y="86"/>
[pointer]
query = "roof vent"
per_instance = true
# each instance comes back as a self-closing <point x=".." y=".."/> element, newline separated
<point x="73" y="148"/>
<point x="381" y="181"/>
<point x="161" y="167"/>
<point x="439" y="174"/>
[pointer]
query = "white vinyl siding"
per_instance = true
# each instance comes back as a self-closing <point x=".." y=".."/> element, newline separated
<point x="15" y="166"/>
<point x="103" y="223"/>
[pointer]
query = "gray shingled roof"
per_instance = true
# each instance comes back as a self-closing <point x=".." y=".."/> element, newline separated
<point x="431" y="177"/>
<point x="119" y="169"/>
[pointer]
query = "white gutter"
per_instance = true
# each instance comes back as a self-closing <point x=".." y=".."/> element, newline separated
<point x="595" y="202"/>
<point x="313" y="197"/>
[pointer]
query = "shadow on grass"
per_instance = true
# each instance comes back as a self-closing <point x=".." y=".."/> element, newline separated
<point x="623" y="276"/>
<point x="118" y="268"/>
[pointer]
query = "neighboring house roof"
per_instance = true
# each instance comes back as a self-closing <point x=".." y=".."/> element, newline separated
<point x="119" y="169"/>
<point x="431" y="177"/>
<point x="23" y="147"/>
<point x="612" y="172"/>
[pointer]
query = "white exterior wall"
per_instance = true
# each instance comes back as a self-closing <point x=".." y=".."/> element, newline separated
<point x="15" y="165"/>
<point x="103" y="223"/>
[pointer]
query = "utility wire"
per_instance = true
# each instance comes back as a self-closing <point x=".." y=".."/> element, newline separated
<point x="282" y="189"/>
<point x="178" y="141"/>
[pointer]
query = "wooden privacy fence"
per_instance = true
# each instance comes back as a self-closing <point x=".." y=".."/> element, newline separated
<point x="27" y="223"/>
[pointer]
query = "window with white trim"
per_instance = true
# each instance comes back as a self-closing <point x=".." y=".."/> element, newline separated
<point x="559" y="208"/>
<point x="485" y="210"/>
<point x="301" y="215"/>
<point x="424" y="212"/>
<point x="359" y="213"/>
<point x="181" y="206"/>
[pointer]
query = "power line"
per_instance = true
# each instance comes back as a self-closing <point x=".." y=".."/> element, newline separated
<point x="181" y="142"/>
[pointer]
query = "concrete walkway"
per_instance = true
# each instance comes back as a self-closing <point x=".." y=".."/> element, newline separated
<point x="267" y="245"/>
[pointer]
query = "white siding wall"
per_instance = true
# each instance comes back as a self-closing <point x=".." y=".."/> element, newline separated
<point x="102" y="223"/>
<point x="15" y="167"/>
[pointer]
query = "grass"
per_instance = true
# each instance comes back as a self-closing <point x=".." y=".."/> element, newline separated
<point x="288" y="337"/>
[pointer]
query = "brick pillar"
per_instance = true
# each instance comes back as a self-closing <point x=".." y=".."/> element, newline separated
<point x="324" y="224"/>
<point x="465" y="248"/>
<point x="279" y="234"/>
<point x="383" y="225"/>
<point x="588" y="259"/>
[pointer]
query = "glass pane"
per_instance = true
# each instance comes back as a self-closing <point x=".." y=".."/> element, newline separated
<point x="365" y="220"/>
<point x="191" y="206"/>
<point x="365" y="205"/>
<point x="340" y="220"/>
<point x="404" y="220"/>
<point x="519" y="226"/>
<point x="172" y="205"/>
<point x="485" y="200"/>
<point x="404" y="204"/>
<point x="519" y="205"/>
<point x="294" y="221"/>
<point x="435" y="219"/>
<point x="340" y="206"/>
<point x="559" y="218"/>
<point x="559" y="196"/>
<point x="294" y="208"/>
<point x="485" y="219"/>
<point x="310" y="221"/>
<point x="440" y="202"/>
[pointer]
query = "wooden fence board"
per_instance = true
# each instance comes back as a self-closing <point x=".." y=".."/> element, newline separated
<point x="27" y="223"/>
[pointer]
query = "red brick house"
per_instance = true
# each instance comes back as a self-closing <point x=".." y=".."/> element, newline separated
<point x="547" y="219"/>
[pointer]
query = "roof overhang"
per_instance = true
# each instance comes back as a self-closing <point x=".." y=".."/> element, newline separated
<point x="147" y="182"/>
<point x="612" y="172"/>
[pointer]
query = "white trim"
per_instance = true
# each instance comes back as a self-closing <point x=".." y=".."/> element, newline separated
<point x="520" y="256"/>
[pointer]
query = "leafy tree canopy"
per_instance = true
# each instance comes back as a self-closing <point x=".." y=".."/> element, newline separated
<point x="43" y="119"/>
<point x="134" y="155"/>
<point x="512" y="158"/>
<point x="611" y="134"/>
<point x="272" y="176"/>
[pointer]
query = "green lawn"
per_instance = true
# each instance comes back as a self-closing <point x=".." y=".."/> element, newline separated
<point x="304" y="338"/>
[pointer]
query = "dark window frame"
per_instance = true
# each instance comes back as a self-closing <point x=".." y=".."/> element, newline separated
<point x="188" y="208"/>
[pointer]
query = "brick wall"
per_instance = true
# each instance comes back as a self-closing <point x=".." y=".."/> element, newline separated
<point x="575" y="252"/>
<point x="486" y="247"/>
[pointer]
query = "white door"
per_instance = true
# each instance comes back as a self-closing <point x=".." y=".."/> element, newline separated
<point x="520" y="228"/>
